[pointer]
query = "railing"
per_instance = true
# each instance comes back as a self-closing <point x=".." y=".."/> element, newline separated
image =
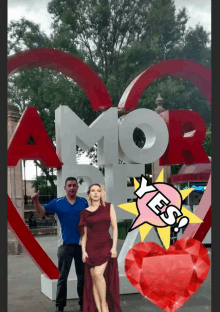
<point x="27" y="200"/>
<point x="44" y="199"/>
<point x="125" y="225"/>
<point x="31" y="218"/>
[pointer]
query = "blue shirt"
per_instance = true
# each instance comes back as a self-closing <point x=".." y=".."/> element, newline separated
<point x="67" y="217"/>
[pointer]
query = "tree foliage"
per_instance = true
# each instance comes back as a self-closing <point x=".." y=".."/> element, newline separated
<point x="207" y="144"/>
<point x="41" y="184"/>
<point x="119" y="39"/>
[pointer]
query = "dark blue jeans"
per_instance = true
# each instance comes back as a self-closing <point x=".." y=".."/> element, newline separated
<point x="65" y="254"/>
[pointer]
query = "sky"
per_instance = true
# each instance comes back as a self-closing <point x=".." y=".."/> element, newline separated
<point x="199" y="11"/>
<point x="36" y="11"/>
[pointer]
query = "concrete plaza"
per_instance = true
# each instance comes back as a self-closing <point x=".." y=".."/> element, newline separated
<point x="24" y="287"/>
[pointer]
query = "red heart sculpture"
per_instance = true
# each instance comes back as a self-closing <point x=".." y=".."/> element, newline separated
<point x="168" y="278"/>
<point x="74" y="68"/>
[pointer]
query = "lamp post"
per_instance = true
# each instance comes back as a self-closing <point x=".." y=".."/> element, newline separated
<point x="25" y="189"/>
<point x="156" y="168"/>
<point x="36" y="177"/>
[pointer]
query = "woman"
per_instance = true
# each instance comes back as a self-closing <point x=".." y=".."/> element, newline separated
<point x="101" y="286"/>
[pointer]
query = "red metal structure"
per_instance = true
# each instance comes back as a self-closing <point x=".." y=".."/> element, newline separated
<point x="198" y="74"/>
<point x="67" y="64"/>
<point x="96" y="91"/>
<point x="81" y="73"/>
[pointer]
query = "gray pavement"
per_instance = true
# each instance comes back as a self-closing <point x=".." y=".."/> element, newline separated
<point x="24" y="287"/>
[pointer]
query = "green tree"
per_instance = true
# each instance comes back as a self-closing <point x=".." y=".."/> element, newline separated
<point x="41" y="184"/>
<point x="45" y="89"/>
<point x="24" y="34"/>
<point x="118" y="39"/>
<point x="207" y="144"/>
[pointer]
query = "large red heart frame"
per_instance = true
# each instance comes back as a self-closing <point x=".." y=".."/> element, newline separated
<point x="168" y="278"/>
<point x="99" y="97"/>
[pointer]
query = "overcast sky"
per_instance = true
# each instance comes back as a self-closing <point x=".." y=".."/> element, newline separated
<point x="36" y="11"/>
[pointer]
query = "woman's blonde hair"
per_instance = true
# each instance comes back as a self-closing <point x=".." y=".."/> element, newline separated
<point x="103" y="196"/>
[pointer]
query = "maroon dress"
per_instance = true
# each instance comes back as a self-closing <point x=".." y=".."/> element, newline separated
<point x="98" y="246"/>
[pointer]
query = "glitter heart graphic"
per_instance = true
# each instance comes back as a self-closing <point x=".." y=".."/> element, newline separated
<point x="168" y="278"/>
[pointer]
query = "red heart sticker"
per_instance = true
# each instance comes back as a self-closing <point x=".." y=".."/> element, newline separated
<point x="168" y="278"/>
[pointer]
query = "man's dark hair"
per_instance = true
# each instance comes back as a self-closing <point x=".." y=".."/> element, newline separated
<point x="70" y="179"/>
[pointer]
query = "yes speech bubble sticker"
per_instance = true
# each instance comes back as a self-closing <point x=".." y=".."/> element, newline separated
<point x="159" y="205"/>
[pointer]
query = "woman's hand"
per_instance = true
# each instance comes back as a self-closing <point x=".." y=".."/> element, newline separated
<point x="113" y="252"/>
<point x="84" y="255"/>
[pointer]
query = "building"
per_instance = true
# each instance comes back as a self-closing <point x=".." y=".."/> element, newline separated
<point x="15" y="184"/>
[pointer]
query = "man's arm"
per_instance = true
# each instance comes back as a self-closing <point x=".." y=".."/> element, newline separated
<point x="40" y="209"/>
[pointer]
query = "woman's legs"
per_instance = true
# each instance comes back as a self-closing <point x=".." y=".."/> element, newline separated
<point x="101" y="285"/>
<point x="95" y="291"/>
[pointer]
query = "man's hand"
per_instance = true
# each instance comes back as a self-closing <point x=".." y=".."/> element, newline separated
<point x="35" y="197"/>
<point x="37" y="205"/>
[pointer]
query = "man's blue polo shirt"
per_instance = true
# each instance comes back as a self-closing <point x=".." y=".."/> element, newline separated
<point x="67" y="217"/>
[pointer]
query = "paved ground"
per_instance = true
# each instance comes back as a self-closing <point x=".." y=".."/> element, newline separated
<point x="24" y="288"/>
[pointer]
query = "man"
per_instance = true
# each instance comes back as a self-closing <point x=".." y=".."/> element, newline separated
<point x="66" y="210"/>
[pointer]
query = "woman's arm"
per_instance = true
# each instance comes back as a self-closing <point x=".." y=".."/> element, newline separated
<point x="114" y="227"/>
<point x="83" y="239"/>
<point x="83" y="243"/>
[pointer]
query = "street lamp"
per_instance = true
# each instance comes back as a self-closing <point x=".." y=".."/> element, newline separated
<point x="36" y="177"/>
<point x="25" y="190"/>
